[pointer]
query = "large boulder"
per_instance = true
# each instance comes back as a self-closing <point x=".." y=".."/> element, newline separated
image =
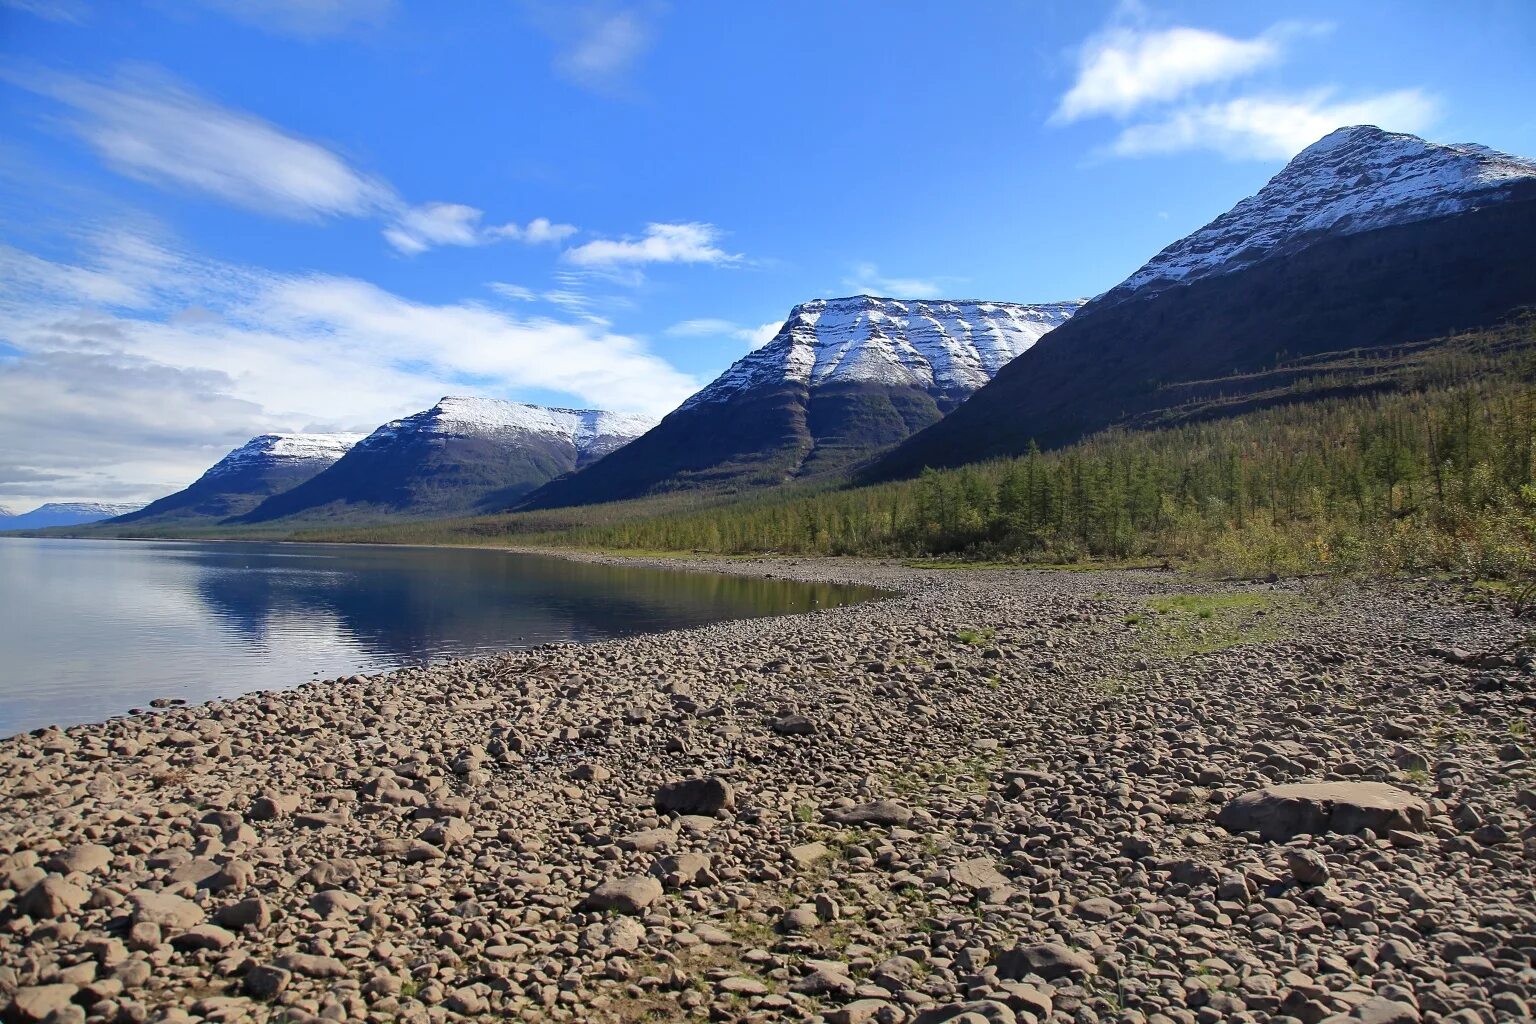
<point x="83" y="857"/>
<point x="165" y="910"/>
<point x="696" y="796"/>
<point x="1048" y="960"/>
<point x="40" y="1002"/>
<point x="878" y="812"/>
<point x="51" y="898"/>
<point x="982" y="1011"/>
<point x="624" y="895"/>
<point x="1281" y="813"/>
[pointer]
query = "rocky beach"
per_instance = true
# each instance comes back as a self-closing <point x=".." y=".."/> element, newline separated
<point x="998" y="796"/>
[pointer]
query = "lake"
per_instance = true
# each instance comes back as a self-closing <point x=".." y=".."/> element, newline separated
<point x="90" y="629"/>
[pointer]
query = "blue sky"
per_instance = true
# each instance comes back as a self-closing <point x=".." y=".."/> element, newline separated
<point x="220" y="217"/>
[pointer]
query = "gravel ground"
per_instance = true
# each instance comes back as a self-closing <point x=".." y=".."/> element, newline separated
<point x="999" y="796"/>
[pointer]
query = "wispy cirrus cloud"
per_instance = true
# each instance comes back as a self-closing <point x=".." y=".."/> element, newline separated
<point x="1175" y="85"/>
<point x="714" y="327"/>
<point x="607" y="48"/>
<point x="866" y="279"/>
<point x="74" y="12"/>
<point x="598" y="42"/>
<point x="308" y="19"/>
<point x="146" y="125"/>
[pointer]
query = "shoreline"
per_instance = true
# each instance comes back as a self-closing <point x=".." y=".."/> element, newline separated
<point x="993" y="790"/>
<point x="682" y="563"/>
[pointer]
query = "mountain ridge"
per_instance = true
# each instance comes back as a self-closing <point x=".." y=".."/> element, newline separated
<point x="842" y="379"/>
<point x="463" y="455"/>
<point x="265" y="465"/>
<point x="1131" y="349"/>
<point x="1392" y="178"/>
<point x="64" y="513"/>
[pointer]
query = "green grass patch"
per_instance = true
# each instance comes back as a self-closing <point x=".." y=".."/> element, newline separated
<point x="1206" y="606"/>
<point x="1185" y="625"/>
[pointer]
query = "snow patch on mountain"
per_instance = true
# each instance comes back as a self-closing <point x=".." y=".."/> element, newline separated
<point x="947" y="347"/>
<point x="1352" y="180"/>
<point x="67" y="513"/>
<point x="285" y="449"/>
<point x="86" y="508"/>
<point x="457" y="416"/>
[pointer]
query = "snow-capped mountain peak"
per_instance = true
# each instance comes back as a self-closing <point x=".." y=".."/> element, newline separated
<point x="462" y="416"/>
<point x="286" y="449"/>
<point x="92" y="508"/>
<point x="1355" y="179"/>
<point x="942" y="346"/>
<point x="67" y="513"/>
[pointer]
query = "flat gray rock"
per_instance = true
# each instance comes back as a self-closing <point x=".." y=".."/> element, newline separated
<point x="878" y="812"/>
<point x="696" y="796"/>
<point x="1048" y="960"/>
<point x="624" y="895"/>
<point x="170" y="912"/>
<point x="1281" y="813"/>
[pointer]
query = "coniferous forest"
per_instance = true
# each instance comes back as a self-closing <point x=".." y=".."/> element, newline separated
<point x="1397" y="461"/>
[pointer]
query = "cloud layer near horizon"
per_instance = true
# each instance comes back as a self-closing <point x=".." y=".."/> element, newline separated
<point x="129" y="371"/>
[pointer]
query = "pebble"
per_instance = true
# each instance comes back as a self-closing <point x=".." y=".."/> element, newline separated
<point x="847" y="816"/>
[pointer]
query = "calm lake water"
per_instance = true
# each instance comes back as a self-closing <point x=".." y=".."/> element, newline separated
<point x="89" y="629"/>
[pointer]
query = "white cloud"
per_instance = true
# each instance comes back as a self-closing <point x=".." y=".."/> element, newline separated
<point x="182" y="358"/>
<point x="606" y="48"/>
<point x="515" y="292"/>
<point x="308" y="19"/>
<point x="421" y="227"/>
<point x="707" y="327"/>
<point x="1123" y="69"/>
<point x="598" y="43"/>
<point x="661" y="243"/>
<point x="149" y="127"/>
<point x="538" y="232"/>
<point x="760" y="335"/>
<point x="867" y="280"/>
<point x="701" y="328"/>
<point x="1171" y="79"/>
<point x="1278" y="127"/>
<point x="74" y="12"/>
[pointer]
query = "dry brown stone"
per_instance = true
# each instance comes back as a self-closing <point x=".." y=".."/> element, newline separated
<point x="1281" y="813"/>
<point x="707" y="796"/>
<point x="625" y="895"/>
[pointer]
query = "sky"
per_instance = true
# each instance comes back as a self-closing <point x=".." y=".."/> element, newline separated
<point x="220" y="218"/>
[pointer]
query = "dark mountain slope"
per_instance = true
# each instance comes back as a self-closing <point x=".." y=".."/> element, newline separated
<point x="462" y="456"/>
<point x="237" y="483"/>
<point x="1222" y="303"/>
<point x="842" y="380"/>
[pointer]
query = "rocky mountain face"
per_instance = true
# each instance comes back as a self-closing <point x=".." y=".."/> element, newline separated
<point x="241" y="480"/>
<point x="843" y="379"/>
<point x="462" y="456"/>
<point x="64" y="513"/>
<point x="1366" y="240"/>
